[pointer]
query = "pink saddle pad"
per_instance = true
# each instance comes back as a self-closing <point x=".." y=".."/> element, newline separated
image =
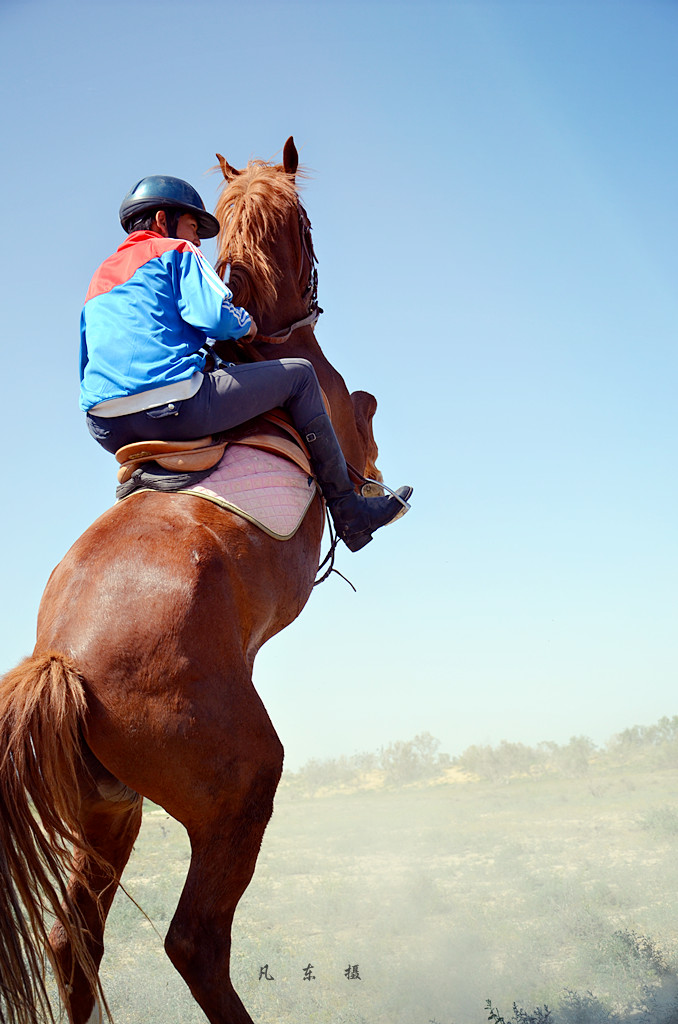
<point x="268" y="490"/>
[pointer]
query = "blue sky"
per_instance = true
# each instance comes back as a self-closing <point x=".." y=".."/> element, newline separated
<point x="494" y="204"/>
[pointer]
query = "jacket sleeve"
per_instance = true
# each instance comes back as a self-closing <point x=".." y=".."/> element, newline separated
<point x="204" y="301"/>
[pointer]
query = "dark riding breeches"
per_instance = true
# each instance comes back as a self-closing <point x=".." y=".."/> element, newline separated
<point x="225" y="399"/>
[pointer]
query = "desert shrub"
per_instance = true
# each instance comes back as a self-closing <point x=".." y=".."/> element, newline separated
<point x="662" y="821"/>
<point x="539" y="1015"/>
<point x="635" y="974"/>
<point x="640" y="986"/>
<point x="656" y="1006"/>
<point x="573" y="760"/>
<point x="501" y="763"/>
<point x="575" y="1008"/>
<point x="400" y="762"/>
<point x="333" y="772"/>
<point x="364" y="762"/>
<point x="657" y="744"/>
<point x="632" y="949"/>
<point x="412" y="761"/>
<point x="512" y="760"/>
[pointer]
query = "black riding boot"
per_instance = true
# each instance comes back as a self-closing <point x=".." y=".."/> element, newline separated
<point x="355" y="518"/>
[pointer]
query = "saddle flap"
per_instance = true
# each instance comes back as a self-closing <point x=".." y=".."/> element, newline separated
<point x="193" y="461"/>
<point x="143" y="451"/>
<point x="179" y="456"/>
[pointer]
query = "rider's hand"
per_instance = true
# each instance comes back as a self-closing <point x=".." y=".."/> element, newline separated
<point x="251" y="334"/>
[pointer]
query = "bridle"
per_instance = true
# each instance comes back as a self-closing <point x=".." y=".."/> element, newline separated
<point x="310" y="294"/>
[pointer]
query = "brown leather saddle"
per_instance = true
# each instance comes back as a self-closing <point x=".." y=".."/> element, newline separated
<point x="272" y="432"/>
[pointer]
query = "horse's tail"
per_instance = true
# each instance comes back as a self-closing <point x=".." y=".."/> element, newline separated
<point x="42" y="706"/>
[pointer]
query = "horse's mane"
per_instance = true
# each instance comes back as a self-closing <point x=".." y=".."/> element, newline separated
<point x="251" y="209"/>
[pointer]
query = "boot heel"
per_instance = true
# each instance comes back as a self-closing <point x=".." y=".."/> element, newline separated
<point x="356" y="541"/>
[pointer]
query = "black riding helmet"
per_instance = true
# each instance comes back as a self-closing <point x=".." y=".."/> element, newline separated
<point x="159" y="191"/>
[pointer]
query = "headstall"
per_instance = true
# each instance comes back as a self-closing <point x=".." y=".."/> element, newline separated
<point x="310" y="293"/>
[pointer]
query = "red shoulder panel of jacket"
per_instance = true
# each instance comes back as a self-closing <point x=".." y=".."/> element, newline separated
<point x="138" y="248"/>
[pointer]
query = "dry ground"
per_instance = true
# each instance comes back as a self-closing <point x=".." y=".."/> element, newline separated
<point x="441" y="896"/>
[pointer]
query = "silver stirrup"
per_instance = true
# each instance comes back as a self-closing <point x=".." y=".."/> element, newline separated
<point x="380" y="483"/>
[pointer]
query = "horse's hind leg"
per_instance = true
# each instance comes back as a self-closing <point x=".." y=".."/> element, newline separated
<point x="224" y="853"/>
<point x="110" y="820"/>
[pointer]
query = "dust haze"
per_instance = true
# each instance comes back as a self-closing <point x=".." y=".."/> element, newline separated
<point x="528" y="885"/>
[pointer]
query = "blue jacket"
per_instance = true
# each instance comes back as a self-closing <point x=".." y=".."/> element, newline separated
<point x="150" y="307"/>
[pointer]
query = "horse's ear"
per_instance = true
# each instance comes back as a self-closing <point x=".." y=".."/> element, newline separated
<point x="226" y="169"/>
<point x="290" y="157"/>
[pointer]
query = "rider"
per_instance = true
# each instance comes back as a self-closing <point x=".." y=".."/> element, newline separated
<point x="149" y="311"/>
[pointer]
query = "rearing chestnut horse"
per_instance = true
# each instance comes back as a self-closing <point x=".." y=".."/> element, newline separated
<point x="140" y="684"/>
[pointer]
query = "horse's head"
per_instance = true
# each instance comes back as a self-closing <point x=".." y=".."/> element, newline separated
<point x="265" y="242"/>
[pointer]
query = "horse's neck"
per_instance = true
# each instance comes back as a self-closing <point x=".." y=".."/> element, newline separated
<point x="304" y="345"/>
<point x="289" y="308"/>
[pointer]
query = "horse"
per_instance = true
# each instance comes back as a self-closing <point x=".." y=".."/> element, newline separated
<point x="140" y="682"/>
